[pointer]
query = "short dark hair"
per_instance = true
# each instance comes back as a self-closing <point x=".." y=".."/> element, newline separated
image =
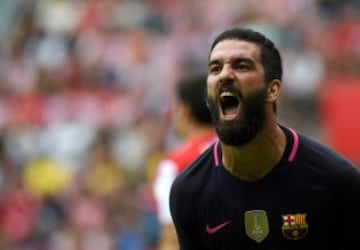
<point x="270" y="55"/>
<point x="191" y="90"/>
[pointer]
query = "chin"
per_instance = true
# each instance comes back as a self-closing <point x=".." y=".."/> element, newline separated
<point x="239" y="132"/>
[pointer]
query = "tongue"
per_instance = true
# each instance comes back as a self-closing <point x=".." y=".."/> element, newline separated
<point x="231" y="110"/>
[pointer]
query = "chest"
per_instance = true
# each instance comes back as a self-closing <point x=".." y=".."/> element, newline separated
<point x="275" y="214"/>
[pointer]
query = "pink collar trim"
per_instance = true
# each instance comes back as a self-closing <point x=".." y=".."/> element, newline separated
<point x="291" y="157"/>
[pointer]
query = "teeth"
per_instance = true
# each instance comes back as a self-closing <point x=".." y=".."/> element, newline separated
<point x="226" y="93"/>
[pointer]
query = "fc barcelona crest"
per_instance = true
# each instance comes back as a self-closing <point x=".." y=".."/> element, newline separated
<point x="294" y="226"/>
<point x="256" y="225"/>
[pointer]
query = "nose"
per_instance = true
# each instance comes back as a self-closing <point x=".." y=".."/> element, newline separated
<point x="226" y="74"/>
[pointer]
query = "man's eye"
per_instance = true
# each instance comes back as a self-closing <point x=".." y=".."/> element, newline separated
<point x="242" y="66"/>
<point x="214" y="69"/>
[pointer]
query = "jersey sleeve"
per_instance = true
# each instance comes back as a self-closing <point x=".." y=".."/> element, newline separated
<point x="181" y="211"/>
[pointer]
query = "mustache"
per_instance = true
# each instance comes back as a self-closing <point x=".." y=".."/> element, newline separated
<point x="228" y="85"/>
<point x="232" y="88"/>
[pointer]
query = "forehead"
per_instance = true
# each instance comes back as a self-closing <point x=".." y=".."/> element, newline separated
<point x="231" y="49"/>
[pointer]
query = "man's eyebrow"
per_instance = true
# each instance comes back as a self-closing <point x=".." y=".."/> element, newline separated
<point x="212" y="62"/>
<point x="233" y="60"/>
<point x="243" y="59"/>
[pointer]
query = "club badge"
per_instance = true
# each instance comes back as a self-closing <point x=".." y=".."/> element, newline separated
<point x="294" y="226"/>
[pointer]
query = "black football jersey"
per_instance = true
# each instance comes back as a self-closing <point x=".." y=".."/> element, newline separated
<point x="310" y="200"/>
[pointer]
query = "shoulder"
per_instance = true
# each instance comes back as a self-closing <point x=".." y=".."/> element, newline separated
<point x="324" y="157"/>
<point x="185" y="154"/>
<point x="316" y="149"/>
<point x="193" y="177"/>
<point x="187" y="189"/>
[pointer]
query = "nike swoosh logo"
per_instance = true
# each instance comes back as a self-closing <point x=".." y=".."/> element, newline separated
<point x="212" y="230"/>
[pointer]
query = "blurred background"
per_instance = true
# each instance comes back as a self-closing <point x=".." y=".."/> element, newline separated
<point x="86" y="90"/>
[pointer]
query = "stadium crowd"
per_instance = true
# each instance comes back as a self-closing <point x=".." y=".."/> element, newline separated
<point x="86" y="87"/>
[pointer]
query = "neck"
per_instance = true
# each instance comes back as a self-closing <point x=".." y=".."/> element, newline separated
<point x="254" y="160"/>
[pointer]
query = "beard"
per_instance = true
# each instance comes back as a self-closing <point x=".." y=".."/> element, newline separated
<point x="246" y="126"/>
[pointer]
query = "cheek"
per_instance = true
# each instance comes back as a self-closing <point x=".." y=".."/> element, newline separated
<point x="253" y="80"/>
<point x="211" y="88"/>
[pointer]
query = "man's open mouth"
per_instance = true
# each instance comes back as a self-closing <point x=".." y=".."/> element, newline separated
<point x="230" y="105"/>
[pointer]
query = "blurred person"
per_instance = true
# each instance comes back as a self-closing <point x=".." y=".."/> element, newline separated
<point x="89" y="219"/>
<point x="304" y="75"/>
<point x="102" y="166"/>
<point x="18" y="209"/>
<point x="18" y="73"/>
<point x="45" y="176"/>
<point x="192" y="121"/>
<point x="125" y="216"/>
<point x="262" y="185"/>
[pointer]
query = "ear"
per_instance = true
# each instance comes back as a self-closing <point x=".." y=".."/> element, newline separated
<point x="273" y="90"/>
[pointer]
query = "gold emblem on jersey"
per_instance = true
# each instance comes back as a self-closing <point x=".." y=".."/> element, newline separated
<point x="294" y="226"/>
<point x="256" y="225"/>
